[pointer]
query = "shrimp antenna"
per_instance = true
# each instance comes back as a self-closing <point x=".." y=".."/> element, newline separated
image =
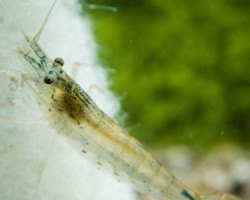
<point x="39" y="32"/>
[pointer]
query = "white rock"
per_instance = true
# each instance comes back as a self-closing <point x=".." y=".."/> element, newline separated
<point x="66" y="175"/>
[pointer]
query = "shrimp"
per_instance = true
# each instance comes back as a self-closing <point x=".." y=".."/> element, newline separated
<point x="74" y="115"/>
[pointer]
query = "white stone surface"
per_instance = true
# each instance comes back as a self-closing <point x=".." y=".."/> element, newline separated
<point x="27" y="139"/>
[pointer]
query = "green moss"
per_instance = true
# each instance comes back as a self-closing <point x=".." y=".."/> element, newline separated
<point x="183" y="67"/>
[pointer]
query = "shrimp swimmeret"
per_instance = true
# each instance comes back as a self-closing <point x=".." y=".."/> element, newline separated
<point x="74" y="115"/>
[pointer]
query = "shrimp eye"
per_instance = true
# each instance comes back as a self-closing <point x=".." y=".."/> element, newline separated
<point x="59" y="61"/>
<point x="48" y="79"/>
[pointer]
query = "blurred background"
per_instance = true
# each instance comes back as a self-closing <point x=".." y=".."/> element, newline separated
<point x="181" y="71"/>
<point x="181" y="68"/>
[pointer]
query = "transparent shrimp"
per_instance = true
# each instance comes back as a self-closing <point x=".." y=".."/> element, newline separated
<point x="75" y="116"/>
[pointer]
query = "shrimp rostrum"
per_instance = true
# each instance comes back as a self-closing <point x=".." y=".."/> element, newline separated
<point x="74" y="115"/>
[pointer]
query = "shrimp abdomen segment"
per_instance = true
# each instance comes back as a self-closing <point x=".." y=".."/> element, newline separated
<point x="129" y="159"/>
